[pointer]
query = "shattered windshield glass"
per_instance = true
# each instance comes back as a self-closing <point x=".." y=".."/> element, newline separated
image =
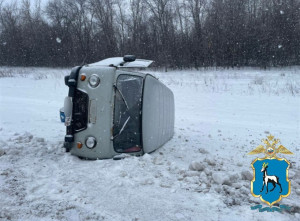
<point x="127" y="114"/>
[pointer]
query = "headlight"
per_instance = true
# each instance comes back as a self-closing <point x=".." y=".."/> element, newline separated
<point x="94" y="80"/>
<point x="91" y="142"/>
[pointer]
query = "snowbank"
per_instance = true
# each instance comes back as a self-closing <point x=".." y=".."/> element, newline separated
<point x="203" y="173"/>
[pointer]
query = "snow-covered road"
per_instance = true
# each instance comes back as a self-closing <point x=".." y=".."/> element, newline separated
<point x="203" y="173"/>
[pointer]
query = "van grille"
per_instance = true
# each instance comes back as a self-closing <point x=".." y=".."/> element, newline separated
<point x="80" y="111"/>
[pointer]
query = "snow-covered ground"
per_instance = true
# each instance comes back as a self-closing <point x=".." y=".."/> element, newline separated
<point x="203" y="173"/>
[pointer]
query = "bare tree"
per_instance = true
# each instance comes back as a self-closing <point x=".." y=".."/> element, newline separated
<point x="175" y="33"/>
<point x="122" y="25"/>
<point x="197" y="10"/>
<point x="10" y="35"/>
<point x="137" y="18"/>
<point x="105" y="14"/>
<point x="163" y="15"/>
<point x="81" y="22"/>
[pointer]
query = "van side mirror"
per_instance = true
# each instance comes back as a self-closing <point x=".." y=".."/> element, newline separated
<point x="129" y="58"/>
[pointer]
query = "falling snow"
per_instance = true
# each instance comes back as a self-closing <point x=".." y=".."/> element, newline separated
<point x="58" y="40"/>
<point x="203" y="173"/>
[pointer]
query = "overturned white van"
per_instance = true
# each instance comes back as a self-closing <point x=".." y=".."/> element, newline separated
<point x="110" y="110"/>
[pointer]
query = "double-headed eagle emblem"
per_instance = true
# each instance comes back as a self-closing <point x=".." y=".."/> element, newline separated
<point x="277" y="174"/>
<point x="270" y="149"/>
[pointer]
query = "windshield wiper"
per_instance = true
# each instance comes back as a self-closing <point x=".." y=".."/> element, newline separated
<point x="122" y="96"/>
<point x="124" y="125"/>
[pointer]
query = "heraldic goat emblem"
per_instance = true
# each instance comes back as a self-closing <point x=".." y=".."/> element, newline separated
<point x="270" y="174"/>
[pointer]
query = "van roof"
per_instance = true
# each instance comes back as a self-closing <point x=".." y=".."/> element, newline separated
<point x="116" y="61"/>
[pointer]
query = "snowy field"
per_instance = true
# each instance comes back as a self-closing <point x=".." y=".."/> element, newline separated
<point x="203" y="173"/>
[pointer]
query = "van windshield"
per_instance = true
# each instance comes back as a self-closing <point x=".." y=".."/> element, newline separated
<point x="127" y="114"/>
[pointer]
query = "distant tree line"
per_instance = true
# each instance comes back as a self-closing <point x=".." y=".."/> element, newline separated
<point x="174" y="33"/>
